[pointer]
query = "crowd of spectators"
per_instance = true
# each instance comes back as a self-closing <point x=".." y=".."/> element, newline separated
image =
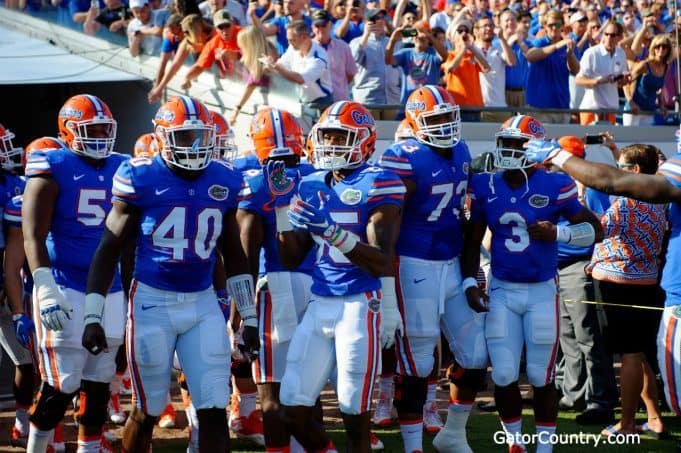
<point x="600" y="57"/>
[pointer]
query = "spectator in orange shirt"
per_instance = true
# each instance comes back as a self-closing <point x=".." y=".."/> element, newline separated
<point x="222" y="49"/>
<point x="462" y="68"/>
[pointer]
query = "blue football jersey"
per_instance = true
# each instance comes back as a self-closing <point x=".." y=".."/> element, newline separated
<point x="247" y="162"/>
<point x="181" y="220"/>
<point x="432" y="219"/>
<point x="508" y="212"/>
<point x="83" y="202"/>
<point x="12" y="218"/>
<point x="351" y="203"/>
<point x="257" y="198"/>
<point x="10" y="186"/>
<point x="671" y="274"/>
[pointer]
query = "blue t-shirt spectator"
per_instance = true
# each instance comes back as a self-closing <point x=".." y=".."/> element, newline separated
<point x="418" y="69"/>
<point x="281" y="24"/>
<point x="551" y="72"/>
<point x="355" y="29"/>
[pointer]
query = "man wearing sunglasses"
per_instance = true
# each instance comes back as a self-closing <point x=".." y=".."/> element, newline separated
<point x="603" y="69"/>
<point x="222" y="49"/>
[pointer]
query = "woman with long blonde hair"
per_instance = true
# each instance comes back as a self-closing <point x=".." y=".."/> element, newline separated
<point x="643" y="94"/>
<point x="254" y="46"/>
<point x="197" y="33"/>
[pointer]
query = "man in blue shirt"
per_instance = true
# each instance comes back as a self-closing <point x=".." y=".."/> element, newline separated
<point x="420" y="64"/>
<point x="293" y="10"/>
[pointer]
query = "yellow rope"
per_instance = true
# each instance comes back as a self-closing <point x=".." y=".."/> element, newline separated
<point x="593" y="302"/>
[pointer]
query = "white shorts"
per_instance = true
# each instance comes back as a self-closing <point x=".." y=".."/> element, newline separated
<point x="425" y="291"/>
<point x="63" y="360"/>
<point x="522" y="313"/>
<point x="161" y="323"/>
<point x="336" y="333"/>
<point x="669" y="355"/>
<point x="8" y="338"/>
<point x="281" y="300"/>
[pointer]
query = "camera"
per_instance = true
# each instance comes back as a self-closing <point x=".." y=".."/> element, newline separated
<point x="409" y="32"/>
<point x="594" y="139"/>
<point x="618" y="77"/>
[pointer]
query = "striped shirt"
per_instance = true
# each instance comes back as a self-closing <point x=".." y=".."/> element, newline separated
<point x="633" y="241"/>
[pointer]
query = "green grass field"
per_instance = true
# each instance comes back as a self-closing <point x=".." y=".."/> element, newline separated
<point x="480" y="434"/>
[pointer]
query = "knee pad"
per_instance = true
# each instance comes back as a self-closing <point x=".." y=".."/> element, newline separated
<point x="470" y="378"/>
<point x="241" y="369"/>
<point x="49" y="407"/>
<point x="410" y="394"/>
<point x="94" y="397"/>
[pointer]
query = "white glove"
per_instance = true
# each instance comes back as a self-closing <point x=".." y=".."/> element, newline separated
<point x="391" y="320"/>
<point x="54" y="309"/>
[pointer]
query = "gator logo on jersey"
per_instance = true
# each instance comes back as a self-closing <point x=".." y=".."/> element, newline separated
<point x="218" y="193"/>
<point x="351" y="196"/>
<point x="539" y="201"/>
<point x="375" y="305"/>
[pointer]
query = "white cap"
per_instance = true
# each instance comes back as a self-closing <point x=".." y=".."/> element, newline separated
<point x="576" y="17"/>
<point x="137" y="3"/>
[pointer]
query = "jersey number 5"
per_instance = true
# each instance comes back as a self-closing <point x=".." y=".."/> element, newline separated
<point x="171" y="233"/>
<point x="90" y="210"/>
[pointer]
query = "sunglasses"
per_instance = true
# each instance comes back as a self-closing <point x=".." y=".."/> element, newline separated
<point x="663" y="46"/>
<point x="555" y="25"/>
<point x="611" y="34"/>
<point x="461" y="31"/>
<point x="224" y="26"/>
<point x="624" y="165"/>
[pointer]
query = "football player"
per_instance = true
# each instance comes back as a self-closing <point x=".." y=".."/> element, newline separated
<point x="434" y="167"/>
<point x="225" y="148"/>
<point x="178" y="206"/>
<point x="16" y="326"/>
<point x="349" y="213"/>
<point x="145" y="146"/>
<point x="67" y="197"/>
<point x="282" y="294"/>
<point x="521" y="204"/>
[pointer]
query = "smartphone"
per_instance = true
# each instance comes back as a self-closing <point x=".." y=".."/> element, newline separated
<point x="409" y="32"/>
<point x="594" y="139"/>
<point x="618" y="77"/>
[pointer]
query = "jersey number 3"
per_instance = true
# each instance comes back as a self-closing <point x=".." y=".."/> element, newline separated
<point x="171" y="233"/>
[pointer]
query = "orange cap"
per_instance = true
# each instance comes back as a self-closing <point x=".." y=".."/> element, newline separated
<point x="573" y="145"/>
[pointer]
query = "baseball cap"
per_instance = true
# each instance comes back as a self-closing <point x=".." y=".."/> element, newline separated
<point x="221" y="17"/>
<point x="576" y="17"/>
<point x="463" y="22"/>
<point x="137" y="3"/>
<point x="375" y="12"/>
<point x="572" y="144"/>
<point x="320" y="16"/>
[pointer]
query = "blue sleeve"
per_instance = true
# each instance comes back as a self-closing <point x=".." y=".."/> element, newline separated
<point x="671" y="170"/>
<point x="12" y="213"/>
<point x="598" y="202"/>
<point x="124" y="187"/>
<point x="252" y="196"/>
<point x="476" y="193"/>
<point x="167" y="46"/>
<point x="386" y="187"/>
<point x="395" y="160"/>
<point x="402" y="57"/>
<point x="567" y="197"/>
<point x="38" y="164"/>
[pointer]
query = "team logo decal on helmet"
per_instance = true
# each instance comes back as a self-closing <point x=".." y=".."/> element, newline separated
<point x="185" y="133"/>
<point x="87" y="127"/>
<point x="357" y="125"/>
